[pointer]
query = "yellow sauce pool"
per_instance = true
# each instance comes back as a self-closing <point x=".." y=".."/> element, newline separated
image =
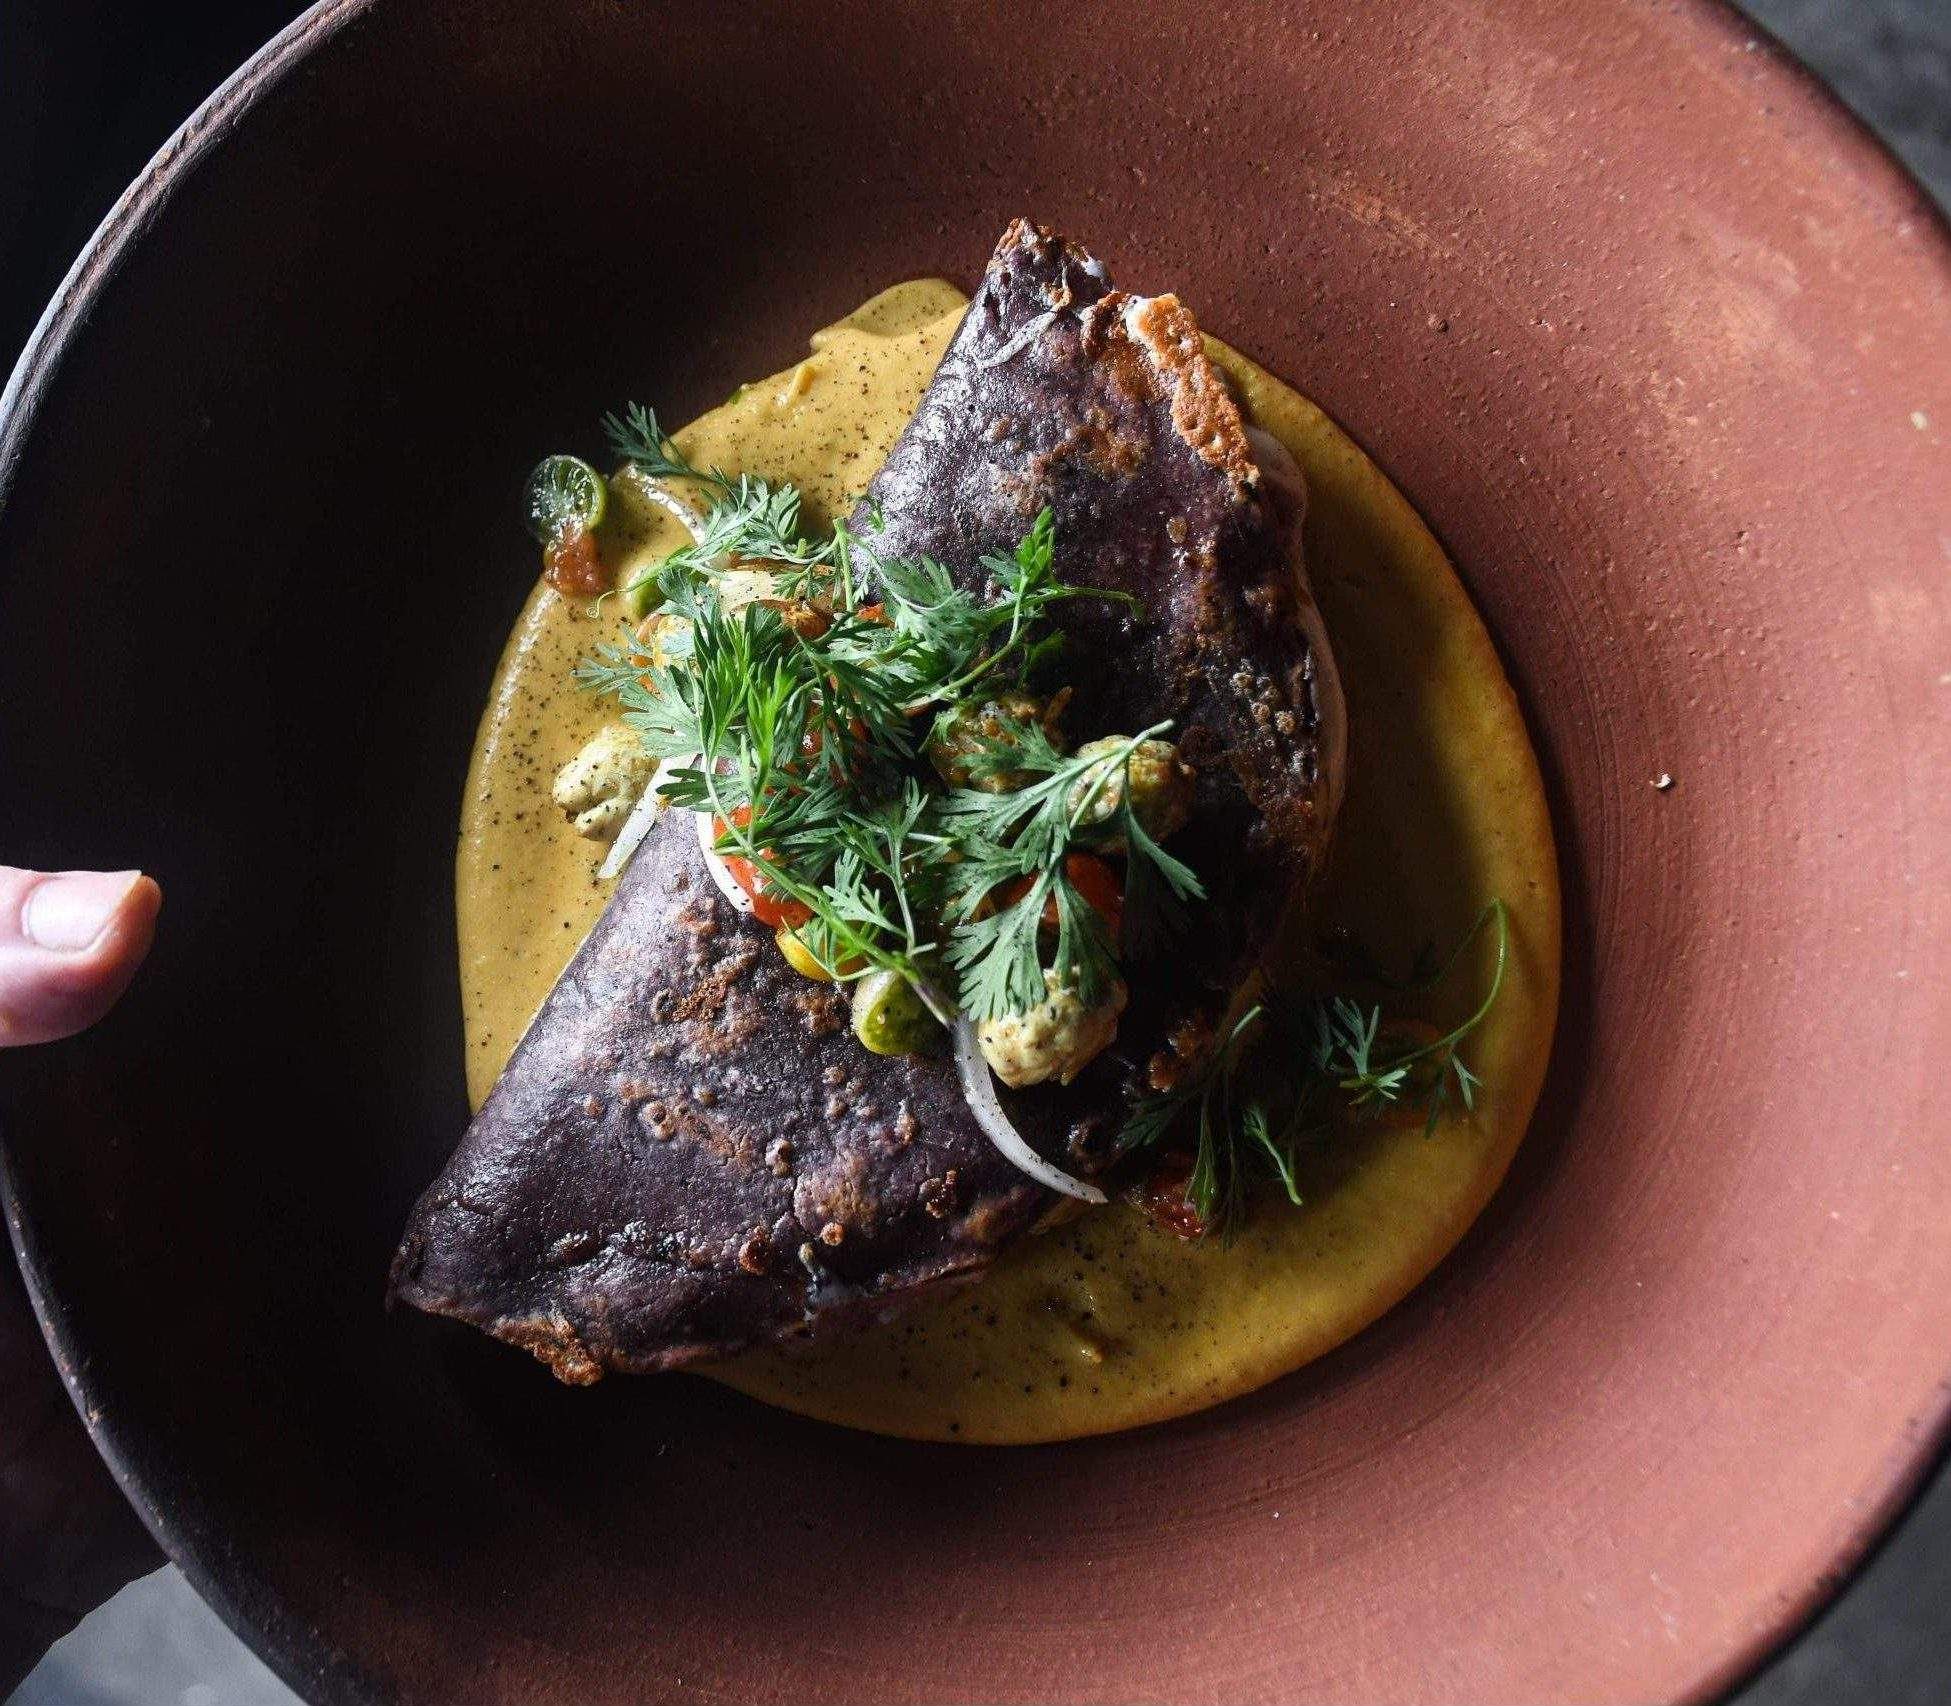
<point x="1104" y="1323"/>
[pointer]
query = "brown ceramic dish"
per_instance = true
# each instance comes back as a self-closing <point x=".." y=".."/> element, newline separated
<point x="1657" y="340"/>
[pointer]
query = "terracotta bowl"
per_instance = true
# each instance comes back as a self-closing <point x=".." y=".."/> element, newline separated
<point x="1656" y="338"/>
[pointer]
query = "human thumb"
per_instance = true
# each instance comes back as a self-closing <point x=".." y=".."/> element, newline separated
<point x="70" y="941"/>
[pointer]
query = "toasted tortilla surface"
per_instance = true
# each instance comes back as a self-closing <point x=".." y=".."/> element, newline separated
<point x="1106" y="1323"/>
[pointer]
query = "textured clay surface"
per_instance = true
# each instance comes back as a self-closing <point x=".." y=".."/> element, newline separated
<point x="1656" y="340"/>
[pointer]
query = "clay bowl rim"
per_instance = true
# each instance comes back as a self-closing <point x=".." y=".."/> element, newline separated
<point x="298" y="1655"/>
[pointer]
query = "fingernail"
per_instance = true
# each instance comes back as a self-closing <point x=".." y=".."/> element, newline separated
<point x="69" y="912"/>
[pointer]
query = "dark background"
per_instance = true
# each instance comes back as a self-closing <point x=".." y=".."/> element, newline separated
<point x="90" y="89"/>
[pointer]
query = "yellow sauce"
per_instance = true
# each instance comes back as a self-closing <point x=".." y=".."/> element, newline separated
<point x="1105" y="1323"/>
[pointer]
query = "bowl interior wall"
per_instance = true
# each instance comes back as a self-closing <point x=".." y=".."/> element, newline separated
<point x="1640" y="327"/>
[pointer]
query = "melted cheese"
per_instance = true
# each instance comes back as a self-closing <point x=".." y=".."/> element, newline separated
<point x="1105" y="1322"/>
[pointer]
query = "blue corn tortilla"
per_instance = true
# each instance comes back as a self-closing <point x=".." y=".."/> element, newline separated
<point x="688" y="1153"/>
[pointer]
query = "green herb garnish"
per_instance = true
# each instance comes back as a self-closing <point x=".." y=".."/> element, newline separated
<point x="636" y="438"/>
<point x="1306" y="1056"/>
<point x="1025" y="836"/>
<point x="797" y="720"/>
<point x="803" y="735"/>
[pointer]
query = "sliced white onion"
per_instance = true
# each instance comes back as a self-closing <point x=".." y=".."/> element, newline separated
<point x="715" y="864"/>
<point x="643" y="818"/>
<point x="638" y="825"/>
<point x="739" y="587"/>
<point x="687" y="515"/>
<point x="979" y="1089"/>
<point x="936" y="1002"/>
<point x="635" y="828"/>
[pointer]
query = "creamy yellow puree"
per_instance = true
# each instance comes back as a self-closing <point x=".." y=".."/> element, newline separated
<point x="1104" y="1323"/>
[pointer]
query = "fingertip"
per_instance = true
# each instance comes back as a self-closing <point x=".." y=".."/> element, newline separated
<point x="49" y="989"/>
<point x="139" y="909"/>
<point x="124" y="943"/>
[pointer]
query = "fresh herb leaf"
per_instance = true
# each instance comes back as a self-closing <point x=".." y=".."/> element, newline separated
<point x="636" y="438"/>
<point x="1347" y="1040"/>
<point x="1157" y="886"/>
<point x="1334" y="1053"/>
<point x="1026" y="835"/>
<point x="1217" y="1187"/>
<point x="956" y="639"/>
<point x="799" y="737"/>
<point x="1281" y="1153"/>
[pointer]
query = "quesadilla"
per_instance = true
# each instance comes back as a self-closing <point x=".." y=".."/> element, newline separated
<point x="689" y="1152"/>
<point x="1183" y="1290"/>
